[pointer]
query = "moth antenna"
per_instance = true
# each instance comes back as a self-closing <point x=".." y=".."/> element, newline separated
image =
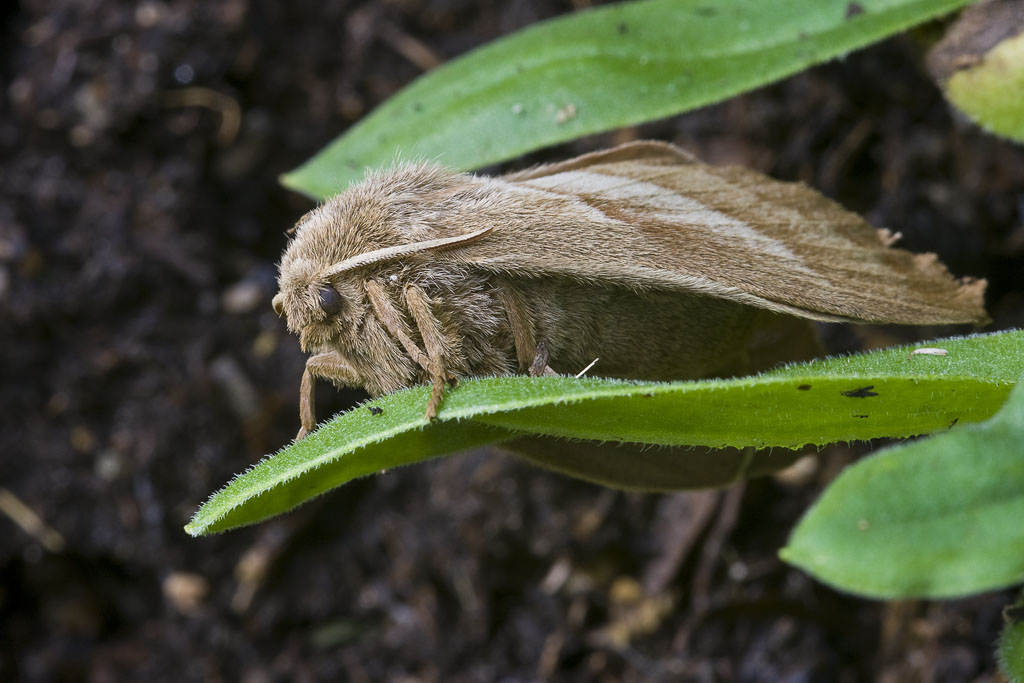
<point x="390" y="253"/>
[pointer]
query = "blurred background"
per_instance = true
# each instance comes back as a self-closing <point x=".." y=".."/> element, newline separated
<point x="140" y="224"/>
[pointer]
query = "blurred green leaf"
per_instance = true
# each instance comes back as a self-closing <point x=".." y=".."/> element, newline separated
<point x="940" y="517"/>
<point x="886" y="393"/>
<point x="991" y="92"/>
<point x="980" y="65"/>
<point x="597" y="70"/>
<point x="1011" y="644"/>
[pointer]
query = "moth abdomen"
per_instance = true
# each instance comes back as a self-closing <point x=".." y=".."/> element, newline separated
<point x="651" y="335"/>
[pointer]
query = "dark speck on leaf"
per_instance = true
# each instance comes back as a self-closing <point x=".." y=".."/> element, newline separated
<point x="374" y="410"/>
<point x="860" y="416"/>
<point x="853" y="9"/>
<point x="622" y="28"/>
<point x="861" y="392"/>
<point x="804" y="387"/>
<point x="953" y="423"/>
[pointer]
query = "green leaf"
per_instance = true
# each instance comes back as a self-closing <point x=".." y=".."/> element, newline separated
<point x="990" y="91"/>
<point x="597" y="70"/>
<point x="980" y="65"/>
<point x="940" y="517"/>
<point x="354" y="444"/>
<point x="1011" y="644"/>
<point x="885" y="393"/>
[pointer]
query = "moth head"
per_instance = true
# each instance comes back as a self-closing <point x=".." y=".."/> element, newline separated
<point x="359" y="234"/>
<point x="323" y="310"/>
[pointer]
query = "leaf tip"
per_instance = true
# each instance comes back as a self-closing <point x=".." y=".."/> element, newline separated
<point x="290" y="181"/>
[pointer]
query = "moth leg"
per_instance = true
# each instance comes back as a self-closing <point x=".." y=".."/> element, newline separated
<point x="327" y="366"/>
<point x="520" y="324"/>
<point x="532" y="355"/>
<point x="540" y="360"/>
<point x="539" y="367"/>
<point x="394" y="323"/>
<point x="419" y="306"/>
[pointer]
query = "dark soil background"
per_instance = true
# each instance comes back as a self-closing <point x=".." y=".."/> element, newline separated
<point x="140" y="221"/>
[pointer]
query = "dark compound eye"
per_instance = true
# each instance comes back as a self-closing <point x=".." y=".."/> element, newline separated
<point x="330" y="300"/>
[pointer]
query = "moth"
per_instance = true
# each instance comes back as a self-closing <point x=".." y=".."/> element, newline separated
<point x="661" y="266"/>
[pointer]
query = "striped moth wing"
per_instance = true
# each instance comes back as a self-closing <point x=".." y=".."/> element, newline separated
<point x="648" y="215"/>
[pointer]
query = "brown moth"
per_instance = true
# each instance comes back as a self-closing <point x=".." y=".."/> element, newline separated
<point x="643" y="256"/>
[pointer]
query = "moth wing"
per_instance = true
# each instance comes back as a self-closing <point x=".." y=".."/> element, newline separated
<point x="650" y="151"/>
<point x="650" y="216"/>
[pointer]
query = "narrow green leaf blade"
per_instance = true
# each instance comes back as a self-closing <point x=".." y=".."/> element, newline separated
<point x="801" y="404"/>
<point x="893" y="393"/>
<point x="352" y="445"/>
<point x="597" y="70"/>
<point x="940" y="517"/>
<point x="760" y="412"/>
<point x="991" y="357"/>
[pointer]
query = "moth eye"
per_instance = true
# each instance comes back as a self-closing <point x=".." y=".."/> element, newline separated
<point x="330" y="300"/>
